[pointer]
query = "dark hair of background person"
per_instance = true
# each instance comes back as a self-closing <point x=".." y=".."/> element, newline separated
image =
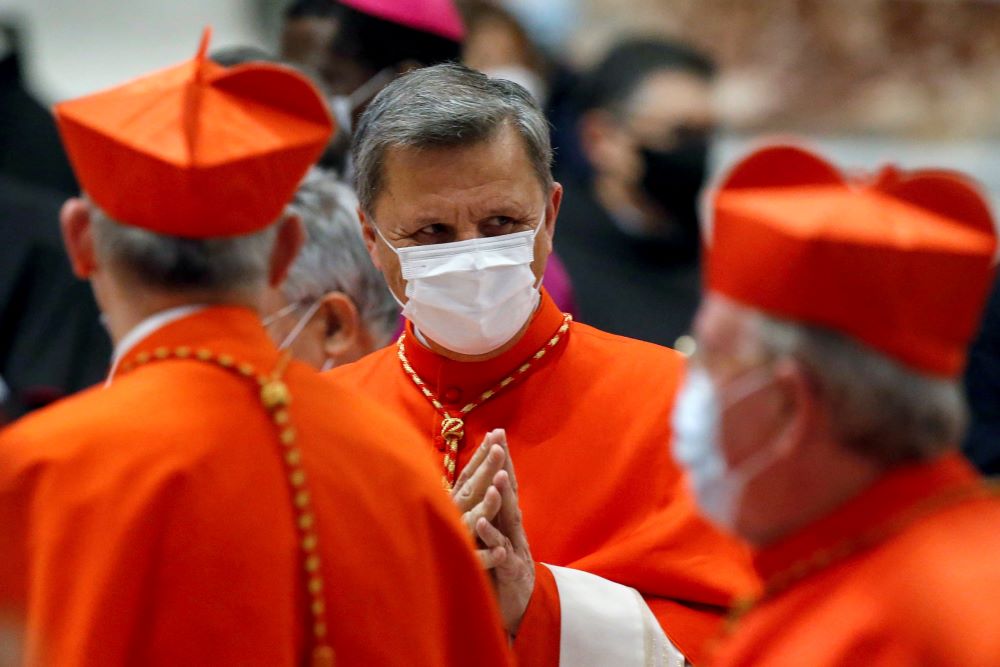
<point x="231" y="56"/>
<point x="373" y="42"/>
<point x="626" y="66"/>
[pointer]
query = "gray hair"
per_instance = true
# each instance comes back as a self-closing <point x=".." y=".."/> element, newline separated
<point x="445" y="106"/>
<point x="334" y="257"/>
<point x="176" y="264"/>
<point x="880" y="408"/>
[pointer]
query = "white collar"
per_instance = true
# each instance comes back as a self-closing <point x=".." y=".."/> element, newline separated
<point x="145" y="329"/>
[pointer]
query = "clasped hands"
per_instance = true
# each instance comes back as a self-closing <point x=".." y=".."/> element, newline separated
<point x="486" y="495"/>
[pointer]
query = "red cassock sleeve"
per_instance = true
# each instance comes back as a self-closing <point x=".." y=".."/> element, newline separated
<point x="537" y="642"/>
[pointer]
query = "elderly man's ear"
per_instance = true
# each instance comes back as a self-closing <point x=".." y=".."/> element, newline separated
<point x="554" y="204"/>
<point x="74" y="222"/>
<point x="291" y="236"/>
<point x="801" y="406"/>
<point x="370" y="238"/>
<point x="346" y="338"/>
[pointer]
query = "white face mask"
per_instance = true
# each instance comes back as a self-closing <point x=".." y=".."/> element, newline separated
<point x="718" y="489"/>
<point x="300" y="325"/>
<point x="470" y="296"/>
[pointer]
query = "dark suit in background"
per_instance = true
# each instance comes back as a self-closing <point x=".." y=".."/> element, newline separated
<point x="642" y="288"/>
<point x="982" y="386"/>
<point x="51" y="341"/>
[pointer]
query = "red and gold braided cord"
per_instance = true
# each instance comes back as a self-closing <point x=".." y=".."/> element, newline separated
<point x="453" y="425"/>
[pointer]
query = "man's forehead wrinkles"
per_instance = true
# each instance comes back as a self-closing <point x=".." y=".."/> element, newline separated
<point x="478" y="200"/>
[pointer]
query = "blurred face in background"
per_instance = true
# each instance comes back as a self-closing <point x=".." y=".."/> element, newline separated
<point x="497" y="45"/>
<point x="649" y="156"/>
<point x="308" y="40"/>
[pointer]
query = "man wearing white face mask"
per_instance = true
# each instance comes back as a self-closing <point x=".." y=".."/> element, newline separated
<point x="459" y="210"/>
<point x="333" y="307"/>
<point x="821" y="415"/>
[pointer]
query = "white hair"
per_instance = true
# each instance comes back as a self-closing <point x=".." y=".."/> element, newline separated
<point x="879" y="407"/>
<point x="173" y="263"/>
<point x="334" y="257"/>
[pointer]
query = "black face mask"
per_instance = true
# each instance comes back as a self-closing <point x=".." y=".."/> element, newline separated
<point x="672" y="179"/>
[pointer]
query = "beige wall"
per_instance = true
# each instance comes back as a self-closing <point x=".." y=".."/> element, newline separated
<point x="78" y="46"/>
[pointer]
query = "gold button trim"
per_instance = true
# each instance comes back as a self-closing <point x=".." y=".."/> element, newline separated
<point x="275" y="398"/>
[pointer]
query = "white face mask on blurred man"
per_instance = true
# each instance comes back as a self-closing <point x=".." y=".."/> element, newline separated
<point x="718" y="487"/>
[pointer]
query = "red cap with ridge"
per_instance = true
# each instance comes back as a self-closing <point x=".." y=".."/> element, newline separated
<point x="902" y="261"/>
<point x="438" y="17"/>
<point x="197" y="150"/>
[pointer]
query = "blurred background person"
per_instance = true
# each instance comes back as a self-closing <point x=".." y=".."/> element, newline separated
<point x="821" y="413"/>
<point x="29" y="143"/>
<point x="629" y="227"/>
<point x="334" y="307"/>
<point x="356" y="47"/>
<point x="51" y="340"/>
<point x="498" y="45"/>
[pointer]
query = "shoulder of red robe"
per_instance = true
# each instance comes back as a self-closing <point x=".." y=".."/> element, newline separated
<point x="197" y="150"/>
<point x="899" y="261"/>
<point x="437" y="17"/>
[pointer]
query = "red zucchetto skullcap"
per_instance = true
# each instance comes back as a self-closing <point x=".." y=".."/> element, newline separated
<point x="197" y="150"/>
<point x="902" y="262"/>
<point x="437" y="17"/>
